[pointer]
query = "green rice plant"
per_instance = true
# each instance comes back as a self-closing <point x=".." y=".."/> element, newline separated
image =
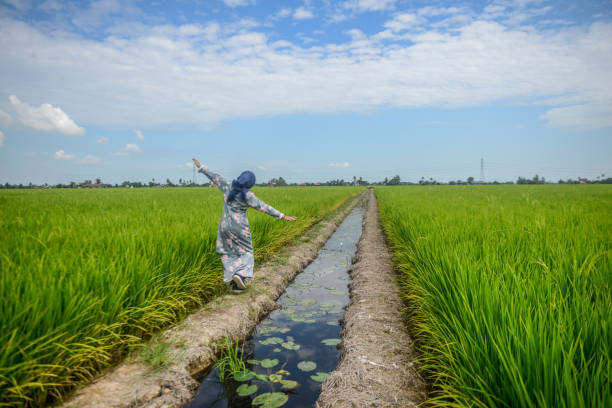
<point x="230" y="361"/>
<point x="86" y="275"/>
<point x="508" y="291"/>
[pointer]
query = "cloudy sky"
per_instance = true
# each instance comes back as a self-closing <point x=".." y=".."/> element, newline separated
<point x="307" y="90"/>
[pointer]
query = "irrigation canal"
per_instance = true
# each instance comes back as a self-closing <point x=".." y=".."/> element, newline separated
<point x="293" y="349"/>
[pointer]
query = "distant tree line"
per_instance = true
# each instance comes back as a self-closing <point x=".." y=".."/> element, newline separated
<point x="281" y="182"/>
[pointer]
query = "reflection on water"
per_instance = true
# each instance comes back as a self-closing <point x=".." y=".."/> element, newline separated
<point x="298" y="342"/>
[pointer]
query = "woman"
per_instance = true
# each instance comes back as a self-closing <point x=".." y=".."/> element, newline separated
<point x="234" y="235"/>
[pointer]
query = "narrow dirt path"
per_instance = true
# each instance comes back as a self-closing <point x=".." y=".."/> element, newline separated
<point x="377" y="361"/>
<point x="193" y="343"/>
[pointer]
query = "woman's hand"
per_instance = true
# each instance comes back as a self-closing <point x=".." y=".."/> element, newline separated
<point x="196" y="162"/>
<point x="289" y="218"/>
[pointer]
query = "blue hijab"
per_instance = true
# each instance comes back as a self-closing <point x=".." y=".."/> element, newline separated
<point x="241" y="185"/>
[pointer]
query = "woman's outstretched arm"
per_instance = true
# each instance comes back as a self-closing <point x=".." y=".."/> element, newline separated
<point x="260" y="205"/>
<point x="217" y="180"/>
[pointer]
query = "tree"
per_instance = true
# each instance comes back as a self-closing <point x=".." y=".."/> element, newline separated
<point x="98" y="180"/>
<point x="395" y="181"/>
<point x="281" y="182"/>
<point x="169" y="182"/>
<point x="470" y="180"/>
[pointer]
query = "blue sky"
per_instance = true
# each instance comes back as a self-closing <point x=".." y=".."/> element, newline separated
<point x="306" y="90"/>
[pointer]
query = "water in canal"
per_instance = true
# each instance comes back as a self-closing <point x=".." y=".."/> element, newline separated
<point x="294" y="349"/>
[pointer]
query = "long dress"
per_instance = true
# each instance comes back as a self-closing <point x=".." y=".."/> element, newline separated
<point x="234" y="234"/>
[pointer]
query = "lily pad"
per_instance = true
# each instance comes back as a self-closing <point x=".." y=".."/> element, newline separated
<point x="244" y="376"/>
<point x="307" y="365"/>
<point x="331" y="342"/>
<point x="277" y="350"/>
<point x="289" y="384"/>
<point x="289" y="345"/>
<point x="261" y="377"/>
<point x="333" y="323"/>
<point x="275" y="377"/>
<point x="245" y="390"/>
<point x="327" y="305"/>
<point x="253" y="362"/>
<point x="320" y="377"/>
<point x="270" y="341"/>
<point x="271" y="399"/>
<point x="306" y="302"/>
<point x="268" y="363"/>
<point x="309" y="321"/>
<point x="330" y="287"/>
<point x="337" y="292"/>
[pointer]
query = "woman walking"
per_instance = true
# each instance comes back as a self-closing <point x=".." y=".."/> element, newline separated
<point x="234" y="234"/>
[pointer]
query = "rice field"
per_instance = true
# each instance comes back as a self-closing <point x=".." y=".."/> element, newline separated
<point x="85" y="275"/>
<point x="508" y="289"/>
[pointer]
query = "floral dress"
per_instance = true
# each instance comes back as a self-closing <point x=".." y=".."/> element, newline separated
<point x="234" y="234"/>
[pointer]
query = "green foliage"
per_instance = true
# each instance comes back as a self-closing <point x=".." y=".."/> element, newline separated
<point x="271" y="400"/>
<point x="86" y="274"/>
<point x="508" y="290"/>
<point x="230" y="363"/>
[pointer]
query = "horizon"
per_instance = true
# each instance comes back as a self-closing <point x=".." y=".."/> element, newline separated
<point x="310" y="91"/>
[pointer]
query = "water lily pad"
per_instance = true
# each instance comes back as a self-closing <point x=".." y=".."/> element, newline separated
<point x="309" y="321"/>
<point x="271" y="399"/>
<point x="245" y="390"/>
<point x="298" y="319"/>
<point x="289" y="345"/>
<point x="261" y="377"/>
<point x="333" y="323"/>
<point x="337" y="292"/>
<point x="334" y="311"/>
<point x="320" y="377"/>
<point x="244" y="376"/>
<point x="331" y="342"/>
<point x="289" y="384"/>
<point x="277" y="350"/>
<point x="330" y="287"/>
<point x="270" y="341"/>
<point x="253" y="362"/>
<point x="275" y="377"/>
<point x="327" y="305"/>
<point x="307" y="365"/>
<point x="268" y="363"/>
<point x="306" y="302"/>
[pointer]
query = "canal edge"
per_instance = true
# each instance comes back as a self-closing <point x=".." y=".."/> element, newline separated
<point x="377" y="355"/>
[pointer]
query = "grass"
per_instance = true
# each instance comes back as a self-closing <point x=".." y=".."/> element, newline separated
<point x="509" y="291"/>
<point x="85" y="275"/>
<point x="230" y="362"/>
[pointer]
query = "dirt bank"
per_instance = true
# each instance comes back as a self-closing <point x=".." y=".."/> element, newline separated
<point x="376" y="366"/>
<point x="188" y="349"/>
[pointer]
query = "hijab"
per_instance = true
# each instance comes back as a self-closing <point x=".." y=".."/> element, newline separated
<point x="241" y="185"/>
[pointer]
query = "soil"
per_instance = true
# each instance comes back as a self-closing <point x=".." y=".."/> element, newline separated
<point x="190" y="347"/>
<point x="377" y="358"/>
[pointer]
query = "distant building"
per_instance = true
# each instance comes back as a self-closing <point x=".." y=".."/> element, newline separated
<point x="92" y="185"/>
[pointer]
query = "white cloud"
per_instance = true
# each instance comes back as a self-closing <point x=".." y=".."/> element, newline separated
<point x="237" y="3"/>
<point x="90" y="159"/>
<point x="188" y="165"/>
<point x="159" y="77"/>
<point x="102" y="140"/>
<point x="45" y="118"/>
<point x="129" y="148"/>
<point x="580" y="117"/>
<point x="282" y="13"/>
<point x="2" y="138"/>
<point x="302" y="14"/>
<point x="402" y="21"/>
<point x="343" y="164"/>
<point x="260" y="167"/>
<point x="5" y="118"/>
<point x="139" y="135"/>
<point x="369" y="5"/>
<point x="61" y="155"/>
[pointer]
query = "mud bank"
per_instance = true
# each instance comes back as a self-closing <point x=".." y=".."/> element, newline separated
<point x="190" y="347"/>
<point x="377" y="356"/>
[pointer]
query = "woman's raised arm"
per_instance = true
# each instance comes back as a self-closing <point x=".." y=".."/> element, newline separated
<point x="217" y="180"/>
